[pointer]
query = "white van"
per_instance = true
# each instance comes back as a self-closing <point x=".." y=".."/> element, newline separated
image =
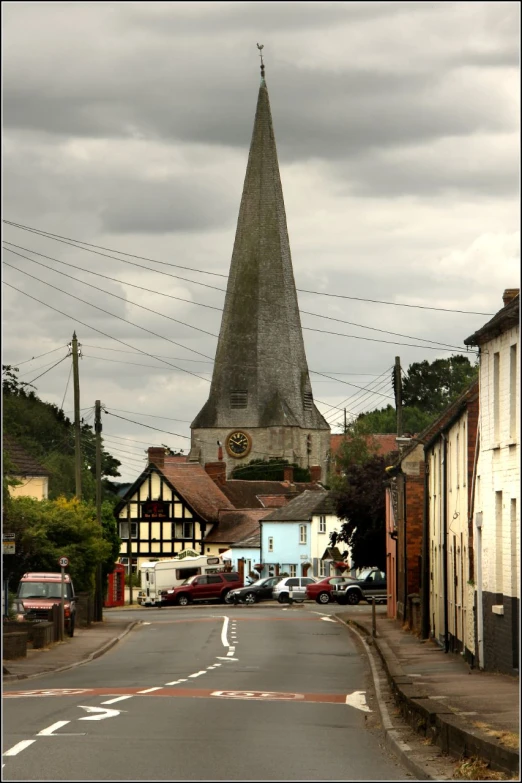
<point x="158" y="575"/>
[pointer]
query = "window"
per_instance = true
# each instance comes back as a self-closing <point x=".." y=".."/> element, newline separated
<point x="322" y="568"/>
<point x="322" y="524"/>
<point x="124" y="530"/>
<point x="213" y="580"/>
<point x="513" y="392"/>
<point x="308" y="401"/>
<point x="293" y="570"/>
<point x="302" y="534"/>
<point x="239" y="398"/>
<point x="496" y="397"/>
<point x="183" y="530"/>
<point x="292" y="582"/>
<point x="270" y="544"/>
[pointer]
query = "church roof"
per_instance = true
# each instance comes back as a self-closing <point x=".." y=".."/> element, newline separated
<point x="260" y="376"/>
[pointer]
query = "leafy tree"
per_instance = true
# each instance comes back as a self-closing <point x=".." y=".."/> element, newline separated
<point x="432" y="387"/>
<point x="384" y="420"/>
<point x="47" y="529"/>
<point x="269" y="470"/>
<point x="48" y="435"/>
<point x="361" y="503"/>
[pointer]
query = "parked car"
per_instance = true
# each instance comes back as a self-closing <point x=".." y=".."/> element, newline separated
<point x="252" y="593"/>
<point x="38" y="592"/>
<point x="322" y="591"/>
<point x="369" y="586"/>
<point x="205" y="587"/>
<point x="292" y="587"/>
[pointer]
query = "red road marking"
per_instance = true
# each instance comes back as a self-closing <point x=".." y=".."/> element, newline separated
<point x="186" y="693"/>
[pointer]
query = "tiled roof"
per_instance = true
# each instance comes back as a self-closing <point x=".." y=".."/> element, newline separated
<point x="384" y="441"/>
<point x="234" y="526"/>
<point x="23" y="463"/>
<point x="273" y="501"/>
<point x="300" y="509"/>
<point x="502" y="321"/>
<point x="248" y="494"/>
<point x="196" y="487"/>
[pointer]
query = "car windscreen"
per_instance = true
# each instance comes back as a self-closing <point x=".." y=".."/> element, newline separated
<point x="189" y="580"/>
<point x="43" y="590"/>
<point x="258" y="583"/>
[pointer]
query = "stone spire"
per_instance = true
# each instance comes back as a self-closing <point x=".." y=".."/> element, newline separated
<point x="260" y="374"/>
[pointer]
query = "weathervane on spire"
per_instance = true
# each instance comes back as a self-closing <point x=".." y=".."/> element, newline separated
<point x="261" y="47"/>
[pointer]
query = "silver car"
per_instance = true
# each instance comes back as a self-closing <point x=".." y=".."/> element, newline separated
<point x="292" y="587"/>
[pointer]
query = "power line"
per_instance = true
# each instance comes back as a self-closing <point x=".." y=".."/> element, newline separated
<point x="443" y="346"/>
<point x="19" y="364"/>
<point x="109" y="293"/>
<point x="174" y="358"/>
<point x="58" y="237"/>
<point x="99" y="330"/>
<point x="152" y="416"/>
<point x="28" y="383"/>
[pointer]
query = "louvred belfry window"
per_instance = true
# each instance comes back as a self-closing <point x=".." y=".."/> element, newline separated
<point x="154" y="509"/>
<point x="239" y="398"/>
<point x="308" y="401"/>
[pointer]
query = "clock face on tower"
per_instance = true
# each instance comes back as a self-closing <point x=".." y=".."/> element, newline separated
<point x="238" y="444"/>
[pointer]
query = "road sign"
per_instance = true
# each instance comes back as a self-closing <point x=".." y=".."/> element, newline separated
<point x="9" y="548"/>
<point x="9" y="536"/>
<point x="63" y="562"/>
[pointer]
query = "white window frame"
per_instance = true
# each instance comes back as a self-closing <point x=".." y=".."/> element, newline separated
<point x="270" y="543"/>
<point x="303" y="534"/>
<point x="292" y="570"/>
<point x="322" y="524"/>
<point x="124" y="529"/>
<point x="322" y="568"/>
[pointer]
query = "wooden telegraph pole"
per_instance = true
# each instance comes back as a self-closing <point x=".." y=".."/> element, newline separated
<point x="77" y="424"/>
<point x="98" y="609"/>
<point x="398" y="395"/>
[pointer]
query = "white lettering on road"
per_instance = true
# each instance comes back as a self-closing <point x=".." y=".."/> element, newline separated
<point x="16" y="749"/>
<point x="101" y="712"/>
<point x="269" y="695"/>
<point x="49" y="692"/>
<point x="357" y="699"/>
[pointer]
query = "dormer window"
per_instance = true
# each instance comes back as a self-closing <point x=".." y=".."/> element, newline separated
<point x="239" y="398"/>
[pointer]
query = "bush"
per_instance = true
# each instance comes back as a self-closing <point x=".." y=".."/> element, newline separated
<point x="136" y="581"/>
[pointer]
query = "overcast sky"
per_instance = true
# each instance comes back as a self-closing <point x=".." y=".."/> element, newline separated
<point x="127" y="126"/>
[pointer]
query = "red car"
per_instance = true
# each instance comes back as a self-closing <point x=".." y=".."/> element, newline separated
<point x="322" y="591"/>
<point x="204" y="587"/>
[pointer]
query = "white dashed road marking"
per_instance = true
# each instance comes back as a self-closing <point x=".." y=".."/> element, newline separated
<point x="48" y="732"/>
<point x="118" y="698"/>
<point x="16" y="749"/>
<point x="149" y="690"/>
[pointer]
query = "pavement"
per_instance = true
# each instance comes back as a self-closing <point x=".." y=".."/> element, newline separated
<point x="464" y="712"/>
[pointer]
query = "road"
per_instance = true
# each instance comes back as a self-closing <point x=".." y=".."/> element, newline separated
<point x="209" y="693"/>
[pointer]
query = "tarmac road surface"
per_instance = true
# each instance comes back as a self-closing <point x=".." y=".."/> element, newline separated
<point x="213" y="694"/>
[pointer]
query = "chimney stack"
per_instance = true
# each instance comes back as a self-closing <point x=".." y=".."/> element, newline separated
<point x="217" y="472"/>
<point x="315" y="472"/>
<point x="288" y="473"/>
<point x="157" y="456"/>
<point x="509" y="294"/>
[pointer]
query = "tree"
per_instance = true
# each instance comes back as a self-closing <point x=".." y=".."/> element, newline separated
<point x="385" y="419"/>
<point x="432" y="387"/>
<point x="361" y="503"/>
<point x="47" y="529"/>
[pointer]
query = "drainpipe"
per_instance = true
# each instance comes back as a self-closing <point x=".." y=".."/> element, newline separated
<point x="445" y="536"/>
<point x="425" y="621"/>
<point x="261" y="546"/>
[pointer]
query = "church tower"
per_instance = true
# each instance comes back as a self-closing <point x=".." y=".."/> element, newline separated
<point x="260" y="404"/>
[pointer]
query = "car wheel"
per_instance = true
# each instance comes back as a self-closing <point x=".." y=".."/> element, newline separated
<point x="250" y="598"/>
<point x="283" y="598"/>
<point x="323" y="598"/>
<point x="183" y="600"/>
<point x="224" y="596"/>
<point x="353" y="597"/>
<point x="229" y="599"/>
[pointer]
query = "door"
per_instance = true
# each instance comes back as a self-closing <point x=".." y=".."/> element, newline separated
<point x="293" y="587"/>
<point x="266" y="590"/>
<point x="200" y="588"/>
<point x="375" y="585"/>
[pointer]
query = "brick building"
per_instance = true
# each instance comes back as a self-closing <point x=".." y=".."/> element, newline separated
<point x="261" y="404"/>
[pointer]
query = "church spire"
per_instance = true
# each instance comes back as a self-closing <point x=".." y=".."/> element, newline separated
<point x="260" y="376"/>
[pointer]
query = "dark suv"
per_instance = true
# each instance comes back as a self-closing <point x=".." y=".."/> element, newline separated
<point x="205" y="587"/>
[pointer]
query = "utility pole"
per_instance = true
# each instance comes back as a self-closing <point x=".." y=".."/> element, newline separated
<point x="98" y="610"/>
<point x="77" y="424"/>
<point x="398" y="395"/>
<point x="345" y="428"/>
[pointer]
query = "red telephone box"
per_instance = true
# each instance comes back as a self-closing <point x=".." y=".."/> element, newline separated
<point x="116" y="586"/>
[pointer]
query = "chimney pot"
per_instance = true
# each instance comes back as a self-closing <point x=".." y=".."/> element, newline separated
<point x="217" y="472"/>
<point x="288" y="473"/>
<point x="315" y="472"/>
<point x="156" y="456"/>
